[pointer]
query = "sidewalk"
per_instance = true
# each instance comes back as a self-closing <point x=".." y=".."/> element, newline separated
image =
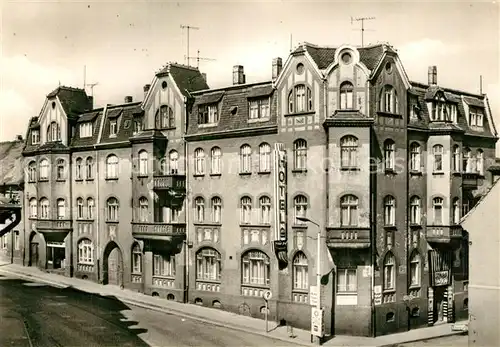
<point x="219" y="317"/>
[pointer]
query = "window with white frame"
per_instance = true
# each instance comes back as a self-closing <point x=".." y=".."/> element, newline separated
<point x="113" y="127"/>
<point x="90" y="208"/>
<point x="32" y="172"/>
<point x="143" y="209"/>
<point x="389" y="210"/>
<point x="300" y="154"/>
<point x="33" y="208"/>
<point x="415" y="210"/>
<point x="112" y="166"/>
<point x="389" y="154"/>
<point x="163" y="265"/>
<point x="437" y="204"/>
<point x="35" y="137"/>
<point x="265" y="210"/>
<point x="44" y="208"/>
<point x="60" y="171"/>
<point x="143" y="163"/>
<point x="215" y="160"/>
<point x="437" y="152"/>
<point x="415" y="153"/>
<point x="255" y="268"/>
<point x="453" y="113"/>
<point x="85" y="252"/>
<point x="61" y="209"/>
<point x="300" y="99"/>
<point x="112" y="210"/>
<point x="136" y="259"/>
<point x="16" y="240"/>
<point x="199" y="206"/>
<point x="300" y="204"/>
<point x="349" y="152"/>
<point x="79" y="208"/>
<point x="216" y="209"/>
<point x="245" y="159"/>
<point x="199" y="161"/>
<point x="300" y="272"/>
<point x="165" y="117"/>
<point x="480" y="162"/>
<point x="44" y="169"/>
<point x="479" y="119"/>
<point x="349" y="210"/>
<point x="415" y="270"/>
<point x="467" y="160"/>
<point x="86" y="129"/>
<point x="53" y="132"/>
<point x="173" y="157"/>
<point x="389" y="272"/>
<point x="246" y="210"/>
<point x="346" y="96"/>
<point x="208" y="114"/>
<point x="89" y="164"/>
<point x="456" y="158"/>
<point x="78" y="168"/>
<point x="259" y="108"/>
<point x="456" y="210"/>
<point x="264" y="157"/>
<point x="164" y="166"/>
<point x="138" y="125"/>
<point x="170" y="214"/>
<point x="208" y="265"/>
<point x="347" y="280"/>
<point x="389" y="100"/>
<point x="476" y="119"/>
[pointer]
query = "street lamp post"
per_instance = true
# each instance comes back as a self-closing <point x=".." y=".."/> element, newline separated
<point x="318" y="271"/>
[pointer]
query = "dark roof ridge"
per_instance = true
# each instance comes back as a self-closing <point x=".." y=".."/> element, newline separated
<point x="370" y="45"/>
<point x="425" y="86"/>
<point x="73" y="89"/>
<point x="236" y="86"/>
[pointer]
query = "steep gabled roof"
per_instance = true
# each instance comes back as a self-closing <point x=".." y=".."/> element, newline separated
<point x="73" y="100"/>
<point x="11" y="166"/>
<point x="188" y="78"/>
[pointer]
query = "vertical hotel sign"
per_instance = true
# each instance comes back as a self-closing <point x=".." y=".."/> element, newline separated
<point x="280" y="206"/>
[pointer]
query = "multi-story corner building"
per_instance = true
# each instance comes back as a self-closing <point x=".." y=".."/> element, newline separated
<point x="11" y="201"/>
<point x="202" y="195"/>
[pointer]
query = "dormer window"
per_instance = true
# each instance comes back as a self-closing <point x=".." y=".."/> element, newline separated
<point x="113" y="127"/>
<point x="86" y="129"/>
<point x="453" y="113"/>
<point x="300" y="99"/>
<point x="259" y="108"/>
<point x="138" y="126"/>
<point x="53" y="132"/>
<point x="346" y="95"/>
<point x="35" y="137"/>
<point x="208" y="114"/>
<point x="389" y="100"/>
<point x="165" y="117"/>
<point x="476" y="119"/>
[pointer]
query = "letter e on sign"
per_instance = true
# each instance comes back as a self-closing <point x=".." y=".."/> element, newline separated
<point x="267" y="295"/>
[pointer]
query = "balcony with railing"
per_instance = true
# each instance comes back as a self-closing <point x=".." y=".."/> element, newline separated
<point x="157" y="230"/>
<point x="175" y="183"/>
<point x="348" y="237"/>
<point x="443" y="233"/>
<point x="56" y="225"/>
<point x="470" y="180"/>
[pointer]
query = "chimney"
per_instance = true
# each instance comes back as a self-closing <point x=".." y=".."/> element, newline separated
<point x="432" y="75"/>
<point x="128" y="99"/>
<point x="91" y="101"/>
<point x="146" y="89"/>
<point x="277" y="67"/>
<point x="238" y="75"/>
<point x="204" y="76"/>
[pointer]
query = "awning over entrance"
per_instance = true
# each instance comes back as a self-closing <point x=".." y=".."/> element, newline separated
<point x="57" y="236"/>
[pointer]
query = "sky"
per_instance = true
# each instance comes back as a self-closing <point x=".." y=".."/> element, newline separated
<point x="123" y="43"/>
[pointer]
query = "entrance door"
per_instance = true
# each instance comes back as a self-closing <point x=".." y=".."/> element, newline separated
<point x="115" y="267"/>
<point x="439" y="304"/>
<point x="33" y="254"/>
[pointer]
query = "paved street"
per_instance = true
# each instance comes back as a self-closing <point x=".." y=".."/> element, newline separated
<point x="35" y="314"/>
<point x="455" y="341"/>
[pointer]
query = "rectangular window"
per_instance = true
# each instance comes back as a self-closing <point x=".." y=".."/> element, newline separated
<point x="347" y="281"/>
<point x="208" y="114"/>
<point x="259" y="109"/>
<point x="35" y="137"/>
<point x="479" y="120"/>
<point x="164" y="265"/>
<point x="16" y="240"/>
<point x="113" y="127"/>
<point x="86" y="129"/>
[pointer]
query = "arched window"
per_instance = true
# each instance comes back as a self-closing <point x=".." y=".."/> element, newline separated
<point x="78" y="168"/>
<point x="300" y="272"/>
<point x="33" y="208"/>
<point x="174" y="162"/>
<point x="415" y="270"/>
<point x="136" y="259"/>
<point x="165" y="117"/>
<point x="389" y="210"/>
<point x="61" y="209"/>
<point x="265" y="210"/>
<point x="245" y="159"/>
<point x="264" y="157"/>
<point x="112" y="166"/>
<point x="346" y="96"/>
<point x="216" y="209"/>
<point x="389" y="100"/>
<point x="255" y="268"/>
<point x="44" y="169"/>
<point x="53" y="132"/>
<point x="199" y="209"/>
<point x="44" y="208"/>
<point x="415" y="154"/>
<point x="300" y="154"/>
<point x="163" y="265"/>
<point x="456" y="210"/>
<point x="300" y="99"/>
<point x="112" y="215"/>
<point x="60" y="169"/>
<point x="437" y="204"/>
<point x="143" y="163"/>
<point x="300" y="203"/>
<point x="215" y="160"/>
<point x="349" y="207"/>
<point x="199" y="161"/>
<point x="79" y="208"/>
<point x="349" y="152"/>
<point x="89" y="163"/>
<point x="415" y="213"/>
<point x="90" y="208"/>
<point x="143" y="209"/>
<point x="456" y="158"/>
<point x="437" y="152"/>
<point x="32" y="172"/>
<point x="389" y="154"/>
<point x="163" y="167"/>
<point x="246" y="209"/>
<point x="85" y="252"/>
<point x="208" y="265"/>
<point x="480" y="162"/>
<point x="389" y="272"/>
<point x="468" y="164"/>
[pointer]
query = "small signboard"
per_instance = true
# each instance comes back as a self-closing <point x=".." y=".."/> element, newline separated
<point x="267" y="295"/>
<point x="317" y="327"/>
<point x="313" y="295"/>
<point x="377" y="295"/>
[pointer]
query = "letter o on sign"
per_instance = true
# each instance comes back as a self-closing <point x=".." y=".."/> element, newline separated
<point x="267" y="295"/>
<point x="281" y="176"/>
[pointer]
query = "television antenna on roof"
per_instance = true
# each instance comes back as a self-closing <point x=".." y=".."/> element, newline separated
<point x="198" y="58"/>
<point x="92" y="85"/>
<point x="188" y="27"/>
<point x="362" y="20"/>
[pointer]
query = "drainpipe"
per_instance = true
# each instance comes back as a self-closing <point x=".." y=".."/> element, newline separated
<point x="186" y="207"/>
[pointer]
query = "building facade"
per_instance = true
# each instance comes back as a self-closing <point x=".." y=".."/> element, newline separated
<point x="199" y="195"/>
